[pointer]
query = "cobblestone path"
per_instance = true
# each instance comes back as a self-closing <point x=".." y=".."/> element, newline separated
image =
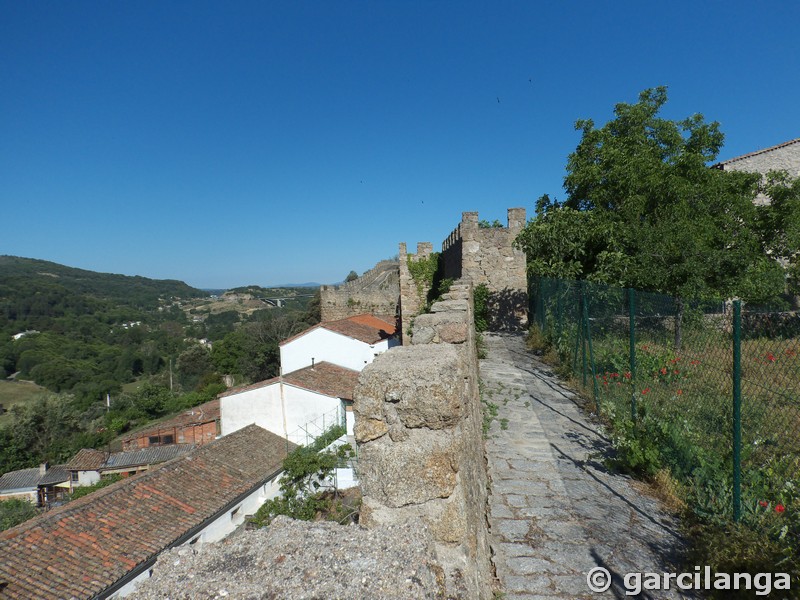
<point x="555" y="513"/>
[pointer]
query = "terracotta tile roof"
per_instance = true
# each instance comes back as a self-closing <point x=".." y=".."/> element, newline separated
<point x="325" y="378"/>
<point x="763" y="151"/>
<point x="30" y="479"/>
<point x="193" y="416"/>
<point x="87" y="459"/>
<point x="365" y="328"/>
<point x="83" y="548"/>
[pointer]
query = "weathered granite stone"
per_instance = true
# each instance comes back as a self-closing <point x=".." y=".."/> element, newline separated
<point x="449" y="305"/>
<point x="411" y="471"/>
<point x="422" y="381"/>
<point x="369" y="429"/>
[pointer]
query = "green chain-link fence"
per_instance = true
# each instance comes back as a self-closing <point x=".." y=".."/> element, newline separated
<point x="708" y="390"/>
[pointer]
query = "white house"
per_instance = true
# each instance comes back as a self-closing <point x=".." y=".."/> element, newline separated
<point x="352" y="343"/>
<point x="296" y="406"/>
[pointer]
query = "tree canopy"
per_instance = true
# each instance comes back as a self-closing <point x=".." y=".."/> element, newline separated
<point x="645" y="210"/>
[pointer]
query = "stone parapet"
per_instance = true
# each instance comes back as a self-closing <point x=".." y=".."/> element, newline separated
<point x="488" y="255"/>
<point x="420" y="442"/>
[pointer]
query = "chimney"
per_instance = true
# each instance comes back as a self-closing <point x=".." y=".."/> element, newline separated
<point x="312" y="362"/>
<point x="43" y="468"/>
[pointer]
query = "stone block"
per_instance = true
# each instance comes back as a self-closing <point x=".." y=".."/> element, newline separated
<point x="414" y="471"/>
<point x="423" y="382"/>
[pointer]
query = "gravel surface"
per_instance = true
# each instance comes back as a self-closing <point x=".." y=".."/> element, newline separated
<point x="293" y="560"/>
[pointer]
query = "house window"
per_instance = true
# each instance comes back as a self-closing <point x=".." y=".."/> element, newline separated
<point x="167" y="439"/>
<point x="153" y="440"/>
<point x="73" y="475"/>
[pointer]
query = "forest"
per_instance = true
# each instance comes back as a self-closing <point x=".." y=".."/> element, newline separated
<point x="115" y="352"/>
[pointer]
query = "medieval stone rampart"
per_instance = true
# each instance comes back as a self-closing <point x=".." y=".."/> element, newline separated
<point x="419" y="434"/>
<point x="413" y="295"/>
<point x="377" y="291"/>
<point x="481" y="255"/>
<point x="487" y="255"/>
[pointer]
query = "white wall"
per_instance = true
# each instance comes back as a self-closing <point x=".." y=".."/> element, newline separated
<point x="324" y="345"/>
<point x="86" y="478"/>
<point x="263" y="407"/>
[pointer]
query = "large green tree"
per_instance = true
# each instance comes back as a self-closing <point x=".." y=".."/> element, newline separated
<point x="644" y="210"/>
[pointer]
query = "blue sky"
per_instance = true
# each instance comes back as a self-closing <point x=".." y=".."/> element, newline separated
<point x="234" y="143"/>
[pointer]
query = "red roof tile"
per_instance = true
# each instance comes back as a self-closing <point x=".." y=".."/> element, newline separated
<point x="87" y="459"/>
<point x="86" y="546"/>
<point x="325" y="378"/>
<point x="365" y="328"/>
<point x="193" y="416"/>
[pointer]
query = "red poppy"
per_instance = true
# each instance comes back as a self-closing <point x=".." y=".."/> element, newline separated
<point x="663" y="370"/>
<point x="779" y="508"/>
<point x="695" y="362"/>
<point x="763" y="503"/>
<point x="770" y="357"/>
<point x="645" y="390"/>
<point x="675" y="372"/>
<point x="627" y="375"/>
<point x="679" y="392"/>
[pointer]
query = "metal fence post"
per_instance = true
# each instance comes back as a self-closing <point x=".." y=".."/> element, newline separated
<point x="591" y="354"/>
<point x="737" y="409"/>
<point x="559" y="310"/>
<point x="583" y="331"/>
<point x="632" y="347"/>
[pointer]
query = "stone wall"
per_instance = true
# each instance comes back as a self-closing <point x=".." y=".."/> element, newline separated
<point x="377" y="292"/>
<point x="420" y="442"/>
<point x="412" y="296"/>
<point x="487" y="255"/>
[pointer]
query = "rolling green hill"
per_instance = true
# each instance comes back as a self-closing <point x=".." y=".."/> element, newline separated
<point x="29" y="275"/>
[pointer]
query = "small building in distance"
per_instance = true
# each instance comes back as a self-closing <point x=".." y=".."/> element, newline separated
<point x="40" y="485"/>
<point x="198" y="425"/>
<point x="89" y="466"/>
<point x="102" y="545"/>
<point x="352" y="343"/>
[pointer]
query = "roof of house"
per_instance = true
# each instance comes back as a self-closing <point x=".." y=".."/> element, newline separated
<point x="87" y="459"/>
<point x="364" y="328"/>
<point x="95" y="460"/>
<point x="193" y="416"/>
<point x="324" y="378"/>
<point x="763" y="151"/>
<point x="30" y="479"/>
<point x="85" y="547"/>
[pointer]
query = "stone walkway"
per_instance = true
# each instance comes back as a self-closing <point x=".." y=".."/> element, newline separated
<point x="555" y="512"/>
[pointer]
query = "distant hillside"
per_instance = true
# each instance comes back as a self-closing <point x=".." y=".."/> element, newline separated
<point x="28" y="275"/>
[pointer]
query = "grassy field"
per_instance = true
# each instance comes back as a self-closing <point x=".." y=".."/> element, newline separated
<point x="18" y="392"/>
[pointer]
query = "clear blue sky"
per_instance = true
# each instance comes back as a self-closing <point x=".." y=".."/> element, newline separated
<point x="233" y="143"/>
